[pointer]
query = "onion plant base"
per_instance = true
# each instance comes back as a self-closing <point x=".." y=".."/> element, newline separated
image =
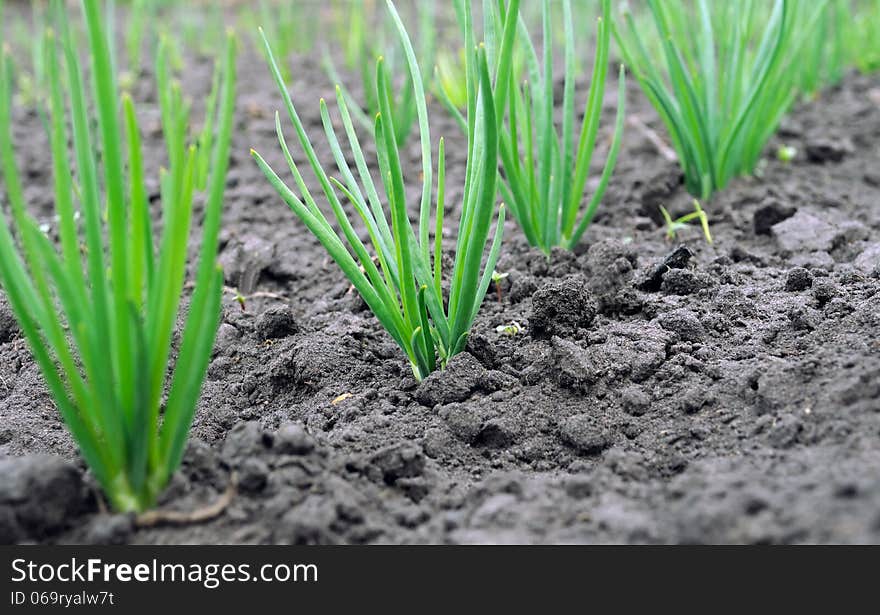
<point x="99" y="315"/>
<point x="400" y="274"/>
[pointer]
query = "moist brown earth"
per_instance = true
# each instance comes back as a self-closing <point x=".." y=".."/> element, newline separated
<point x="656" y="391"/>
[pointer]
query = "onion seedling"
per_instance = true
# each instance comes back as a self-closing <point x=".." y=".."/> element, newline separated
<point x="99" y="316"/>
<point x="544" y="172"/>
<point x="403" y="286"/>
<point x="724" y="80"/>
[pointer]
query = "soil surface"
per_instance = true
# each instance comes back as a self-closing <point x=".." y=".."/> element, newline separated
<point x="654" y="392"/>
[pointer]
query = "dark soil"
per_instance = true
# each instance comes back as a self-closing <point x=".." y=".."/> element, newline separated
<point x="656" y="392"/>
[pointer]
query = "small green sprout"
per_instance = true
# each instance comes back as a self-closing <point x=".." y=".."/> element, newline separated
<point x="239" y="298"/>
<point x="496" y="279"/>
<point x="509" y="330"/>
<point x="673" y="226"/>
<point x="786" y="153"/>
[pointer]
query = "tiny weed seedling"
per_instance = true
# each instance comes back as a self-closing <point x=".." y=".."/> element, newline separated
<point x="786" y="153"/>
<point x="99" y="316"/>
<point x="673" y="226"/>
<point x="404" y="290"/>
<point x="496" y="280"/>
<point x="509" y="330"/>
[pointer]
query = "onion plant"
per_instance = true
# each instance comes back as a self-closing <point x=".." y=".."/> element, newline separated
<point x="140" y="12"/>
<point x="30" y="79"/>
<point x="862" y="35"/>
<point x="545" y="171"/>
<point x="825" y="49"/>
<point x="400" y="274"/>
<point x="289" y="25"/>
<point x="366" y="42"/>
<point x="450" y="81"/>
<point x="99" y="314"/>
<point x="726" y="76"/>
